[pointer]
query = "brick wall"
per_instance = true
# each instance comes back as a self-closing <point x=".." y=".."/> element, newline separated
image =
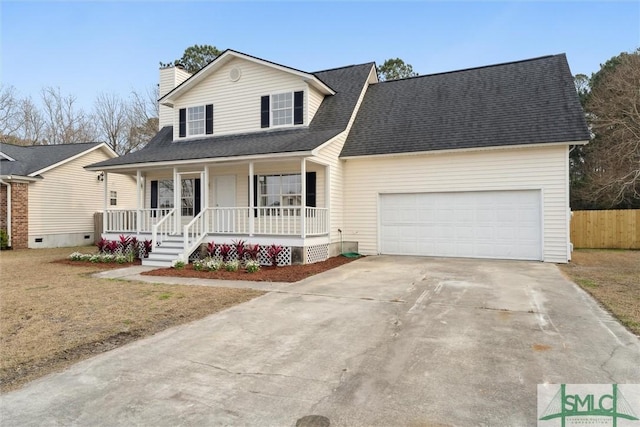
<point x="3" y="207"/>
<point x="19" y="215"/>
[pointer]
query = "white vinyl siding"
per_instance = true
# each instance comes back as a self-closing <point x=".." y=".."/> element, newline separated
<point x="330" y="154"/>
<point x="540" y="168"/>
<point x="242" y="179"/>
<point x="65" y="200"/>
<point x="238" y="103"/>
<point x="313" y="98"/>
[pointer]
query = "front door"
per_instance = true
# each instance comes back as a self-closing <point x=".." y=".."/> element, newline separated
<point x="189" y="199"/>
<point x="225" y="196"/>
<point x="225" y="216"/>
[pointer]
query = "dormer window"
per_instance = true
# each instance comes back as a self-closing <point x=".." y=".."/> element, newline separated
<point x="282" y="109"/>
<point x="196" y="121"/>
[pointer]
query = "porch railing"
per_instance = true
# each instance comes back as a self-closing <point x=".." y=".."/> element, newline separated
<point x="233" y="220"/>
<point x="133" y="220"/>
<point x="164" y="227"/>
<point x="194" y="232"/>
<point x="268" y="220"/>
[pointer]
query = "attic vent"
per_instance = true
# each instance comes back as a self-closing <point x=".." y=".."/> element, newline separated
<point x="234" y="74"/>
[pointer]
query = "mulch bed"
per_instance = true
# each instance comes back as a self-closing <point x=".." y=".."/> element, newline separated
<point x="290" y="273"/>
<point x="101" y="265"/>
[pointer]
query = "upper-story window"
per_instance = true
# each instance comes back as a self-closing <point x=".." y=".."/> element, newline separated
<point x="282" y="109"/>
<point x="196" y="121"/>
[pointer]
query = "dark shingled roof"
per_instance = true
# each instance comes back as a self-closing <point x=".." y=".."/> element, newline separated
<point x="33" y="158"/>
<point x="525" y="102"/>
<point x="330" y="119"/>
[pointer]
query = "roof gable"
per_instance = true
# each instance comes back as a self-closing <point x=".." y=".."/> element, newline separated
<point x="331" y="119"/>
<point x="526" y="102"/>
<point x="229" y="55"/>
<point x="37" y="159"/>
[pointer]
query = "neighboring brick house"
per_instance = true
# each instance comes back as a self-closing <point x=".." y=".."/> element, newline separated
<point x="47" y="198"/>
<point x="468" y="163"/>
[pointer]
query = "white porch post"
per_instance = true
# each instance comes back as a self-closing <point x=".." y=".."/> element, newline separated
<point x="205" y="198"/>
<point x="327" y="197"/>
<point x="303" y="202"/>
<point x="176" y="200"/>
<point x="106" y="193"/>
<point x="251" y="198"/>
<point x="138" y="212"/>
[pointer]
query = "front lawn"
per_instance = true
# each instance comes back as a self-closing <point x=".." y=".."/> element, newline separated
<point x="613" y="278"/>
<point x="53" y="314"/>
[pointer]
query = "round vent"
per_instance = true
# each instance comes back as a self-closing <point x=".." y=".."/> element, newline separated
<point x="234" y="74"/>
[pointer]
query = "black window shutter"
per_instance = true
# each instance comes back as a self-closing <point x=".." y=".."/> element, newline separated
<point x="196" y="196"/>
<point x="264" y="111"/>
<point x="154" y="197"/>
<point x="298" y="108"/>
<point x="183" y="123"/>
<point x="255" y="194"/>
<point x="209" y="119"/>
<point x="310" y="190"/>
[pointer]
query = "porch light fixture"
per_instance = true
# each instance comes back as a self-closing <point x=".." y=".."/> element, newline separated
<point x="101" y="176"/>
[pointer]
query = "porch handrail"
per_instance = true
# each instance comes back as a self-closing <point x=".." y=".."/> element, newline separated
<point x="195" y="232"/>
<point x="164" y="227"/>
<point x="316" y="221"/>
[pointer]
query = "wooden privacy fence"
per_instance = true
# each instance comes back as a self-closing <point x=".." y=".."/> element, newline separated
<point x="97" y="227"/>
<point x="614" y="229"/>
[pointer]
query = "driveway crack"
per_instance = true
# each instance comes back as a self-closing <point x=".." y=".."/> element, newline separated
<point x="265" y="374"/>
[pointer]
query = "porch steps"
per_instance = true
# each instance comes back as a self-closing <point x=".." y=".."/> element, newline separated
<point x="166" y="253"/>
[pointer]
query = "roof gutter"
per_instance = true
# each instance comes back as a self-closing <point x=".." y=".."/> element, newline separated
<point x="171" y="163"/>
<point x="462" y="150"/>
<point x="19" y="178"/>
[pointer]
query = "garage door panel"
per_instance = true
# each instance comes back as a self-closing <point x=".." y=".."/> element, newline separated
<point x="491" y="224"/>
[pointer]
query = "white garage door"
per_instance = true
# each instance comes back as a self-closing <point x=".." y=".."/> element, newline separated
<point x="482" y="224"/>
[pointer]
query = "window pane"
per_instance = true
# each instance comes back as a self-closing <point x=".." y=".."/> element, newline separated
<point x="282" y="109"/>
<point x="195" y="120"/>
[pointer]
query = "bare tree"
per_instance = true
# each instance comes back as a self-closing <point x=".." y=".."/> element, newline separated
<point x="143" y="117"/>
<point x="9" y="111"/>
<point x="33" y="126"/>
<point x="612" y="159"/>
<point x="64" y="123"/>
<point x="112" y="115"/>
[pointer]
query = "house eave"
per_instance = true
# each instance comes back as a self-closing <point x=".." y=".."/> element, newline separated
<point x="68" y="159"/>
<point x="463" y="150"/>
<point x="176" y="163"/>
<point x="225" y="57"/>
<point x="19" y="178"/>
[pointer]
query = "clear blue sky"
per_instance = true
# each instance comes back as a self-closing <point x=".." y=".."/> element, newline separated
<point x="90" y="47"/>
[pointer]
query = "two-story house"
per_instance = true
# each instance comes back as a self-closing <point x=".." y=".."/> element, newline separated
<point x="470" y="163"/>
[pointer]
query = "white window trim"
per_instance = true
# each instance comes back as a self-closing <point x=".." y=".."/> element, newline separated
<point x="113" y="198"/>
<point x="280" y="193"/>
<point x="204" y="121"/>
<point x="271" y="110"/>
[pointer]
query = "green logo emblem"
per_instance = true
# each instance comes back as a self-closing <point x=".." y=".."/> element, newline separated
<point x="586" y="405"/>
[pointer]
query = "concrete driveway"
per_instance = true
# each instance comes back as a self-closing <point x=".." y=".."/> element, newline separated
<point x="382" y="341"/>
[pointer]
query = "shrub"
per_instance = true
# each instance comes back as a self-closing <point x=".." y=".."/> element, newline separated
<point x="4" y="240"/>
<point x="178" y="265"/>
<point x="145" y="248"/>
<point x="198" y="265"/>
<point x="213" y="264"/>
<point x="211" y="249"/>
<point x="76" y="256"/>
<point x="120" y="259"/>
<point x="240" y="249"/>
<point x="252" y="266"/>
<point x="232" y="265"/>
<point x="101" y="244"/>
<point x="252" y="252"/>
<point x="272" y="252"/>
<point x="94" y="258"/>
<point x="225" y="251"/>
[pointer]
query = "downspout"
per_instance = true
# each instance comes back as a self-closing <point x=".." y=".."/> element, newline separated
<point x="8" y="184"/>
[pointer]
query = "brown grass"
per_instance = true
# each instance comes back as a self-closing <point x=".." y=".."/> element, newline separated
<point x="53" y="315"/>
<point x="613" y="278"/>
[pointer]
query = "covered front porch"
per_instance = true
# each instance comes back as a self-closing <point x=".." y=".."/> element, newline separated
<point x="283" y="202"/>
